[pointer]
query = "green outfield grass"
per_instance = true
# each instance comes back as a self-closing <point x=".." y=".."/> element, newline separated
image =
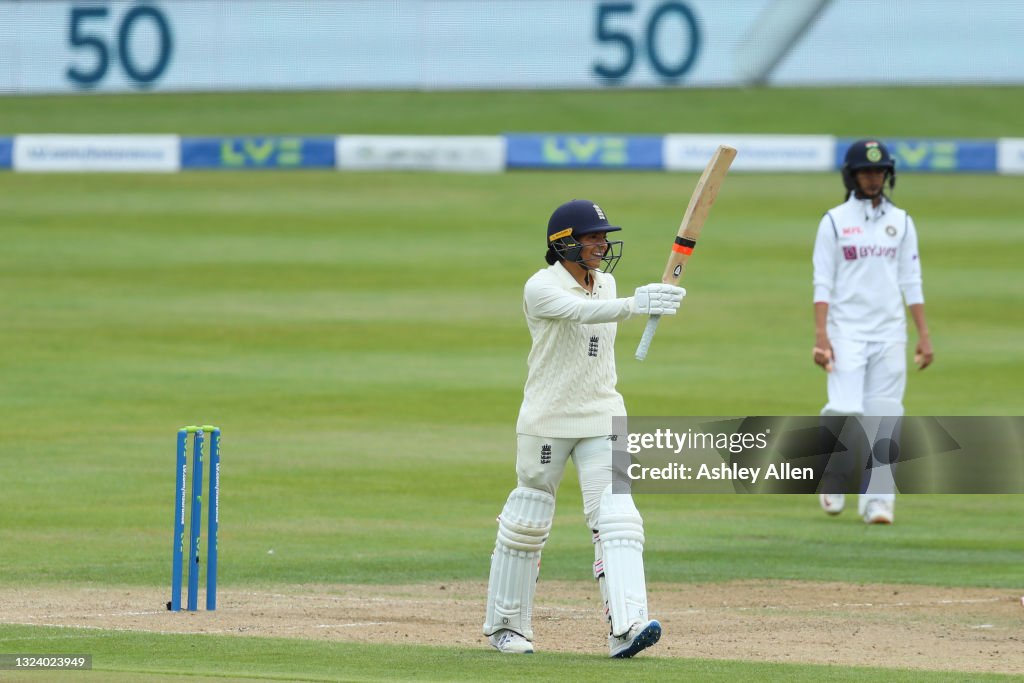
<point x="359" y="338"/>
<point x="262" y="659"/>
<point x="963" y="112"/>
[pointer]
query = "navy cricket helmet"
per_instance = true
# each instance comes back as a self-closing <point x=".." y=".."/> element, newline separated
<point x="867" y="154"/>
<point x="572" y="220"/>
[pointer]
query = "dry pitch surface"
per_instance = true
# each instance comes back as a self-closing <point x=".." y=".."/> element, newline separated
<point x="899" y="626"/>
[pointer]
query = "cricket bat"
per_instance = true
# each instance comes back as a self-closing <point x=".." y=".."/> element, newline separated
<point x="689" y="230"/>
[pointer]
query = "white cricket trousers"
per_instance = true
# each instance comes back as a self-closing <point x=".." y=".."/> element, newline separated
<point x="541" y="461"/>
<point x="867" y="378"/>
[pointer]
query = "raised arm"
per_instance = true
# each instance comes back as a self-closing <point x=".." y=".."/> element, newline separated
<point x="548" y="300"/>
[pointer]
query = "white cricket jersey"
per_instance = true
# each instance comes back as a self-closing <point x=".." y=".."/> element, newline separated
<point x="570" y="389"/>
<point x="866" y="266"/>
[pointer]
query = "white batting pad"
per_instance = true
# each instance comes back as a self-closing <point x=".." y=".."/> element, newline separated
<point x="523" y="527"/>
<point x="622" y="543"/>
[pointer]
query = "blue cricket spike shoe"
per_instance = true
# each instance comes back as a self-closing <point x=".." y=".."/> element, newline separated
<point x="640" y="636"/>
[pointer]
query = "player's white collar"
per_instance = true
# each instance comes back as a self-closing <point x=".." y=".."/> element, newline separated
<point x="871" y="212"/>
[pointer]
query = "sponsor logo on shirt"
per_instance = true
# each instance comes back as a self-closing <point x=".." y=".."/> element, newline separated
<point x="852" y="230"/>
<point x="852" y="253"/>
<point x="877" y="251"/>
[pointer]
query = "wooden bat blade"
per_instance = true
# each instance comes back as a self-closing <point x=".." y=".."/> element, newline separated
<point x="690" y="227"/>
<point x="697" y="211"/>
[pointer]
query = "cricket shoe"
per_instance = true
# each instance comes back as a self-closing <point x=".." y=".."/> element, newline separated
<point x="832" y="503"/>
<point x="878" y="512"/>
<point x="640" y="636"/>
<point x="510" y="643"/>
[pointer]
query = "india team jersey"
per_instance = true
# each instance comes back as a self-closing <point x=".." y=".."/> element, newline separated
<point x="866" y="266"/>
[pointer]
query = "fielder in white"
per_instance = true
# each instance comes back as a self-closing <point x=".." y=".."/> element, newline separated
<point x="866" y="267"/>
<point x="569" y="400"/>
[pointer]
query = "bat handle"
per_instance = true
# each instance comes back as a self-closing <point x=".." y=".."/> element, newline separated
<point x="645" y="341"/>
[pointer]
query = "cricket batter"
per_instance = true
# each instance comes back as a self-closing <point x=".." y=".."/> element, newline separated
<point x="866" y="266"/>
<point x="569" y="400"/>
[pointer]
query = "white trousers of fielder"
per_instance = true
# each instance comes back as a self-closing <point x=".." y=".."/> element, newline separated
<point x="867" y="381"/>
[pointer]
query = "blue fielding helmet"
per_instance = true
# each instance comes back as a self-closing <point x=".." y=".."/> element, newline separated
<point x="867" y="154"/>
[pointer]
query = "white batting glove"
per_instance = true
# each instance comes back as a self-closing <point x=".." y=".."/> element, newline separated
<point x="658" y="299"/>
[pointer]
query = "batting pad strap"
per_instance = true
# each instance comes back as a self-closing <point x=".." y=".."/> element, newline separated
<point x="523" y="528"/>
<point x="622" y="543"/>
<point x="598" y="555"/>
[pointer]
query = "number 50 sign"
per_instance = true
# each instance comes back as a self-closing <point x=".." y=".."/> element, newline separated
<point x="96" y="40"/>
<point x="669" y="38"/>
